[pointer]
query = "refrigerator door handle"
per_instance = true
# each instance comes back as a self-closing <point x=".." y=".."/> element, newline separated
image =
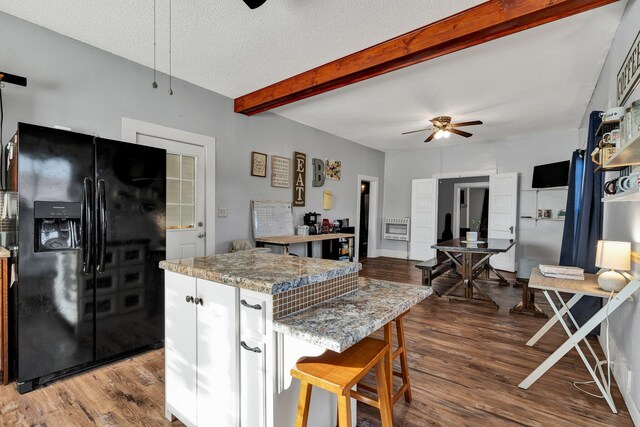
<point x="102" y="207"/>
<point x="87" y="225"/>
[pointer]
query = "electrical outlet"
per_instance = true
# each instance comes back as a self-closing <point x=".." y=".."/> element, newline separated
<point x="222" y="212"/>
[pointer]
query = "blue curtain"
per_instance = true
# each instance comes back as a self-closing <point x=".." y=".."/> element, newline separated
<point x="574" y="198"/>
<point x="583" y="226"/>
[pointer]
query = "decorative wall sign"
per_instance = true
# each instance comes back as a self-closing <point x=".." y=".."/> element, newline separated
<point x="258" y="164"/>
<point x="334" y="169"/>
<point x="299" y="178"/>
<point x="327" y="200"/>
<point x="629" y="74"/>
<point x="318" y="172"/>
<point x="280" y="171"/>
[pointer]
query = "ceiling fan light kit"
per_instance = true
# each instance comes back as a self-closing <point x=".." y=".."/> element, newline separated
<point x="443" y="128"/>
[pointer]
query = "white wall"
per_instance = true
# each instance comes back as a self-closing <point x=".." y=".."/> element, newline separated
<point x="622" y="221"/>
<point x="540" y="241"/>
<point x="76" y="85"/>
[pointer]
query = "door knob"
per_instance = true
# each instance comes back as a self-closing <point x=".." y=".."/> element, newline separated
<point x="197" y="301"/>
<point x="201" y="235"/>
<point x="189" y="298"/>
<point x="200" y="223"/>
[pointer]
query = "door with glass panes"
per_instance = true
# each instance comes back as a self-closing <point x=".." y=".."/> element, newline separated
<point x="185" y="196"/>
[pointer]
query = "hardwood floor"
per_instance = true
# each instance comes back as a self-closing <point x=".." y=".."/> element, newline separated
<point x="465" y="364"/>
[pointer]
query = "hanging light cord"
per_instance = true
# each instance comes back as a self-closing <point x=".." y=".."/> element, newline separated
<point x="155" y="84"/>
<point x="170" y="89"/>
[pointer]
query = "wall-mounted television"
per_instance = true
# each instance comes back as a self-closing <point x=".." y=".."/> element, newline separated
<point x="551" y="175"/>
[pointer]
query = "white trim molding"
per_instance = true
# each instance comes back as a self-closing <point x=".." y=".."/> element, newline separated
<point x="620" y="372"/>
<point x="392" y="253"/>
<point x="464" y="174"/>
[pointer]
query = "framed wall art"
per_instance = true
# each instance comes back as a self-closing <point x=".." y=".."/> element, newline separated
<point x="334" y="169"/>
<point x="280" y="172"/>
<point x="258" y="164"/>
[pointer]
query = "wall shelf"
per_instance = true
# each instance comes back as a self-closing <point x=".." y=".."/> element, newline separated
<point x="547" y="189"/>
<point x="543" y="219"/>
<point x="628" y="155"/>
<point x="627" y="196"/>
<point x="607" y="127"/>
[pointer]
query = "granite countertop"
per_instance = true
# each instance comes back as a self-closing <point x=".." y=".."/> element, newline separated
<point x="261" y="271"/>
<point x="339" y="323"/>
<point x="4" y="252"/>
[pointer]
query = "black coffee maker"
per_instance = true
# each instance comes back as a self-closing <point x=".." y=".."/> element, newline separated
<point x="312" y="219"/>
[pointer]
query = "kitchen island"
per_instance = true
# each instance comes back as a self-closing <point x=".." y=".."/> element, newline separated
<point x="237" y="323"/>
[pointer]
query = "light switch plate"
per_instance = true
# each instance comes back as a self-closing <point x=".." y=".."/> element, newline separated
<point x="222" y="212"/>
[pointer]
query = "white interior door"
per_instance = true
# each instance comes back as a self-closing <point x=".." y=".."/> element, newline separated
<point x="424" y="218"/>
<point x="186" y="199"/>
<point x="503" y="206"/>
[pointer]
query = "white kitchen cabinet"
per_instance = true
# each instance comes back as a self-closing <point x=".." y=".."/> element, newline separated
<point x="217" y="344"/>
<point x="180" y="348"/>
<point x="252" y="383"/>
<point x="201" y="351"/>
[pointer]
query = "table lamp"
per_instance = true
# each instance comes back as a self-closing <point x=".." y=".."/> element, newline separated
<point x="613" y="256"/>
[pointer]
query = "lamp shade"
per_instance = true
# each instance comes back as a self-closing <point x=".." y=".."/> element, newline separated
<point x="613" y="255"/>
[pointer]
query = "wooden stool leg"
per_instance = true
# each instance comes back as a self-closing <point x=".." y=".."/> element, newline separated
<point x="383" y="395"/>
<point x="303" y="404"/>
<point x="404" y="366"/>
<point x="388" y="360"/>
<point x="344" y="410"/>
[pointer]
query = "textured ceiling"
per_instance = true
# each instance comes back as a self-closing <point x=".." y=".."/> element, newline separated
<point x="224" y="46"/>
<point x="539" y="79"/>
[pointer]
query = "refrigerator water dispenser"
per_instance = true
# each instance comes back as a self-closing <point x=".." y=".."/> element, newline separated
<point x="57" y="226"/>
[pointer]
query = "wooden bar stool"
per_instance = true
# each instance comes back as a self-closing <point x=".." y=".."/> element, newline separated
<point x="401" y="351"/>
<point x="338" y="373"/>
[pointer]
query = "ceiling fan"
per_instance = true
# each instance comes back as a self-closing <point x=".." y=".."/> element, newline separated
<point x="443" y="128"/>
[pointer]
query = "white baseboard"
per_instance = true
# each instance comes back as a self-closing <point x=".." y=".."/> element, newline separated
<point x="620" y="370"/>
<point x="391" y="253"/>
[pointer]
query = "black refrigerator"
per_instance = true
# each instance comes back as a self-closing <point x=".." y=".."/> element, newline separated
<point x="91" y="231"/>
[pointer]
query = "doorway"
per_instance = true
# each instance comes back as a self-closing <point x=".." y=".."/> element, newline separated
<point x="426" y="215"/>
<point x="461" y="205"/>
<point x="186" y="223"/>
<point x="366" y="232"/>
<point x="471" y="209"/>
<point x="365" y="191"/>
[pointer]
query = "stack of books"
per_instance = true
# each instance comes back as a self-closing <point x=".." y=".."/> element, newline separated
<point x="562" y="272"/>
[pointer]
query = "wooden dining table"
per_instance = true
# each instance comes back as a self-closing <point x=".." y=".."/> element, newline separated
<point x="471" y="268"/>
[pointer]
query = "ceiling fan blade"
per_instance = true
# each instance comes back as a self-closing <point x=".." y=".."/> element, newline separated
<point x="414" y="131"/>
<point x="473" y="123"/>
<point x="460" y="132"/>
<point x="431" y="136"/>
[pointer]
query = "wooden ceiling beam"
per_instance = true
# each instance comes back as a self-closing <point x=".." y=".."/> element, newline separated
<point x="480" y="24"/>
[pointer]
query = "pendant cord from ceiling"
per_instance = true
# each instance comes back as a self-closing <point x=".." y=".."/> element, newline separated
<point x="170" y="89"/>
<point x="155" y="84"/>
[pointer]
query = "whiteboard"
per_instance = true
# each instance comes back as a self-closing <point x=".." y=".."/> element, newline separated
<point x="271" y="218"/>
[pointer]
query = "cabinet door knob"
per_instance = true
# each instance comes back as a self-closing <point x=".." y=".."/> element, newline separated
<point x="198" y="301"/>
<point x="254" y="306"/>
<point x="189" y="298"/>
<point x="246" y="347"/>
